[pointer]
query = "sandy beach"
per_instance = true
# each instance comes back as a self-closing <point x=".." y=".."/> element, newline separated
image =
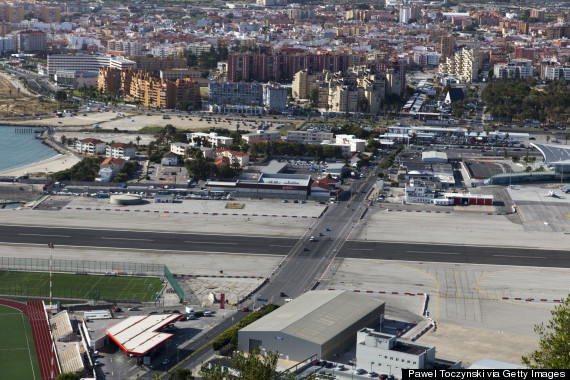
<point x="51" y="165"/>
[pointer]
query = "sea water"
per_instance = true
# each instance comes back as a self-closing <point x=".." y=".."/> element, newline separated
<point x="21" y="149"/>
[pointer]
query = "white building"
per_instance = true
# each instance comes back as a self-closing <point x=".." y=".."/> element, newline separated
<point x="384" y="353"/>
<point x="518" y="68"/>
<point x="179" y="148"/>
<point x="417" y="192"/>
<point x="117" y="150"/>
<point x="274" y="97"/>
<point x="81" y="62"/>
<point x="464" y="64"/>
<point x="263" y="135"/>
<point x="557" y="72"/>
<point x="7" y="44"/>
<point x="128" y="47"/>
<point x="356" y="145"/>
<point x="310" y="136"/>
<point x="211" y="137"/>
<point x="91" y="146"/>
<point x="405" y="14"/>
<point x="169" y="159"/>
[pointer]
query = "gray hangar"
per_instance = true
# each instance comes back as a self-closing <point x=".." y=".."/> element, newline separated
<point x="320" y="322"/>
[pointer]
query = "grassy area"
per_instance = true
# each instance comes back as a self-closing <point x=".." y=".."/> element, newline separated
<point x="79" y="286"/>
<point x="18" y="359"/>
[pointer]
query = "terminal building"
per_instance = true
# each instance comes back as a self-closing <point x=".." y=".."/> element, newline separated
<point x="319" y="323"/>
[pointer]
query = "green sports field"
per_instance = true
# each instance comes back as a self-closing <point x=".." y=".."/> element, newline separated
<point x="18" y="358"/>
<point x="82" y="286"/>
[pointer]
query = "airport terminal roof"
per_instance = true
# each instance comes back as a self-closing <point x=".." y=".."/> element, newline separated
<point x="554" y="154"/>
<point x="319" y="315"/>
<point x="138" y="335"/>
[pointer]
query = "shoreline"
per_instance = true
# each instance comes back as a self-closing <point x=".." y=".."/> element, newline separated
<point x="49" y="165"/>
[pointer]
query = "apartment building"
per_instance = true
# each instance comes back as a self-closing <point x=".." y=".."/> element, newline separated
<point x="271" y="96"/>
<point x="537" y="14"/>
<point x="118" y="150"/>
<point x="109" y="79"/>
<point x="159" y="63"/>
<point x="199" y="48"/>
<point x="465" y="64"/>
<point x="47" y="14"/>
<point x="356" y="145"/>
<point x="557" y="72"/>
<point x="262" y="135"/>
<point x="141" y="86"/>
<point x="282" y="65"/>
<point x="310" y="136"/>
<point x="7" y="44"/>
<point x="29" y="40"/>
<point x="91" y="146"/>
<point x="129" y="48"/>
<point x="422" y="58"/>
<point x="517" y="68"/>
<point x="82" y="62"/>
<point x="11" y="13"/>
<point x="447" y="48"/>
<point x="179" y="148"/>
<point x="211" y="137"/>
<point x="301" y="13"/>
<point x="173" y="74"/>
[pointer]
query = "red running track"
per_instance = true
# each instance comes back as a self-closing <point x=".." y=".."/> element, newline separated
<point x="42" y="336"/>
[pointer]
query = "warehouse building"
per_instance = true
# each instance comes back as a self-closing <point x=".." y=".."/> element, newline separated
<point x="322" y="323"/>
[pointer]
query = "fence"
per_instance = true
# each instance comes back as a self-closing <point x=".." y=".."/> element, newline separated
<point x="174" y="283"/>
<point x="81" y="266"/>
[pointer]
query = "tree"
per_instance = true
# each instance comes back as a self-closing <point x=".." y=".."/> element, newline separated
<point x="60" y="96"/>
<point x="554" y="344"/>
<point x="138" y="140"/>
<point x="182" y="374"/>
<point x="314" y="97"/>
<point x="547" y="138"/>
<point x="566" y="136"/>
<point x="253" y="366"/>
<point x="68" y="376"/>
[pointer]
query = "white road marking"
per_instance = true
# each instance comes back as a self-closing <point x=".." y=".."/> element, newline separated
<point x="439" y="253"/>
<point x="283" y="246"/>
<point x="64" y="236"/>
<point x="362" y="249"/>
<point x="118" y="238"/>
<point x="209" y="242"/>
<point x="526" y="257"/>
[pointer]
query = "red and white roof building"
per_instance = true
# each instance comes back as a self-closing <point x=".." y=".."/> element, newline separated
<point x="139" y="335"/>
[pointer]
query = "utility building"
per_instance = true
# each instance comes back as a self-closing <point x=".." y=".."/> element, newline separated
<point x="322" y="323"/>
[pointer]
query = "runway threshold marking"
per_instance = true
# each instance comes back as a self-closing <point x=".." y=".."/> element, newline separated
<point x="119" y="238"/>
<point x="439" y="253"/>
<point x="209" y="242"/>
<point x="63" y="236"/>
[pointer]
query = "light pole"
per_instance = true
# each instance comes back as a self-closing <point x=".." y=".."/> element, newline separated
<point x="389" y="365"/>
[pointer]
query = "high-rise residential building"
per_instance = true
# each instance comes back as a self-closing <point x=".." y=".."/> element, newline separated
<point x="109" y="79"/>
<point x="7" y="44"/>
<point x="199" y="48"/>
<point x="47" y="14"/>
<point x="270" y="95"/>
<point x="301" y="13"/>
<point x="29" y="40"/>
<point x="537" y="14"/>
<point x="141" y="86"/>
<point x="173" y="74"/>
<point x="464" y="64"/>
<point x="557" y="72"/>
<point x="12" y="13"/>
<point x="129" y="48"/>
<point x="272" y="3"/>
<point x="282" y="65"/>
<point x="358" y="14"/>
<point x="447" y="46"/>
<point x="405" y="14"/>
<point x="517" y="68"/>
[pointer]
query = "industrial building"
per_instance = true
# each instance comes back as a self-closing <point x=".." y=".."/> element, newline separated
<point x="322" y="323"/>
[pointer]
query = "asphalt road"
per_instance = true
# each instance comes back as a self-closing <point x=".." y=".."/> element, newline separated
<point x="145" y="240"/>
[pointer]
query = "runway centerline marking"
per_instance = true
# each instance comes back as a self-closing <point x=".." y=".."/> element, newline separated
<point x="209" y="242"/>
<point x="439" y="253"/>
<point x="361" y="249"/>
<point x="119" y="238"/>
<point x="282" y="246"/>
<point x="64" y="236"/>
<point x="526" y="257"/>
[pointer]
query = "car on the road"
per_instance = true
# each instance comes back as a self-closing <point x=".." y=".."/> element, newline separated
<point x="359" y="371"/>
<point x="165" y="361"/>
<point x="282" y="294"/>
<point x="312" y="238"/>
<point x="329" y="365"/>
<point x="305" y="249"/>
<point x="341" y="367"/>
<point x="373" y="374"/>
<point x="327" y="229"/>
<point x="245" y="309"/>
<point x="96" y="362"/>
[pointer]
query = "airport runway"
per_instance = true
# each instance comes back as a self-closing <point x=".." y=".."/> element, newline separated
<point x="281" y="246"/>
<point x="145" y="240"/>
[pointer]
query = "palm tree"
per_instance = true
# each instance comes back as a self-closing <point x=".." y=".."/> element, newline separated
<point x="566" y="136"/>
<point x="138" y="140"/>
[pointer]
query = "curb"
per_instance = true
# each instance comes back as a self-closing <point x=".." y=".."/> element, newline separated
<point x="213" y="276"/>
<point x="422" y="211"/>
<point x="530" y="299"/>
<point x="381" y="292"/>
<point x="184" y="212"/>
